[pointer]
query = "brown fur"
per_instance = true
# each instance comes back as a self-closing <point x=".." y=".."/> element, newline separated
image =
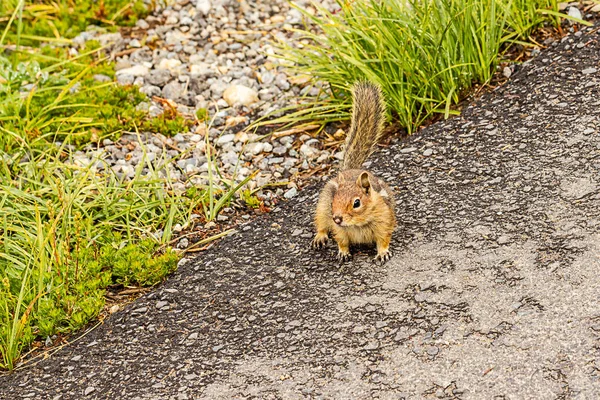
<point x="374" y="220"/>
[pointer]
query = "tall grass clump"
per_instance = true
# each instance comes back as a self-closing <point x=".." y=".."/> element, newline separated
<point x="425" y="54"/>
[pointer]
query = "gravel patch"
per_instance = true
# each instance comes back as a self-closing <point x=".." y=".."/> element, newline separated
<point x="215" y="55"/>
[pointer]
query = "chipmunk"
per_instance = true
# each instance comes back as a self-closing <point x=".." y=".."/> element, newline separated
<point x="356" y="206"/>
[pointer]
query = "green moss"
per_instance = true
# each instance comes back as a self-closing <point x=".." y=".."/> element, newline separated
<point x="250" y="198"/>
<point x="166" y="124"/>
<point x="135" y="264"/>
<point x="202" y="114"/>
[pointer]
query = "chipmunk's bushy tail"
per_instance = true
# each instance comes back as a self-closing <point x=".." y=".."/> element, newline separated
<point x="366" y="128"/>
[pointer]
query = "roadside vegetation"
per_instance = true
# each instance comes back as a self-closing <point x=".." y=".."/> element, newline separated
<point x="425" y="54"/>
<point x="69" y="230"/>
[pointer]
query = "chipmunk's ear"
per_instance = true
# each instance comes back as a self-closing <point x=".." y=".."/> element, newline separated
<point x="363" y="182"/>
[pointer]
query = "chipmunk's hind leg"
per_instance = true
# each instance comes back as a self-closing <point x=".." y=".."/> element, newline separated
<point x="323" y="219"/>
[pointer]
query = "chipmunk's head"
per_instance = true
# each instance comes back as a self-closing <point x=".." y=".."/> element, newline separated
<point x="352" y="201"/>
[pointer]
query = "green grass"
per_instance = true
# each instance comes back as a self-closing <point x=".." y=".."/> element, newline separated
<point x="68" y="232"/>
<point x="59" y="19"/>
<point x="425" y="54"/>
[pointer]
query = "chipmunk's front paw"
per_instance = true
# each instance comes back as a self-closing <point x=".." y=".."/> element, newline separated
<point x="343" y="256"/>
<point x="319" y="241"/>
<point x="383" y="256"/>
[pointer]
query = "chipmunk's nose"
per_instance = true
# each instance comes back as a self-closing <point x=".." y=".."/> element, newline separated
<point x="337" y="219"/>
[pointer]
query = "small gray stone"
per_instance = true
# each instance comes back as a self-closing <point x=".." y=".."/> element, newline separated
<point x="142" y="24"/>
<point x="89" y="390"/>
<point x="291" y="193"/>
<point x="135" y="71"/>
<point x="102" y="78"/>
<point x="187" y="161"/>
<point x="589" y="71"/>
<point x="575" y="13"/>
<point x="226" y="138"/>
<point x="216" y="349"/>
<point x="172" y="90"/>
<point x="401" y="336"/>
<point x="125" y="79"/>
<point x="280" y="150"/>
<point x="183" y="243"/>
<point x="254" y="148"/>
<point x="267" y="147"/>
<point x="307" y="151"/>
<point x="162" y="304"/>
<point x="151" y="90"/>
<point x="380" y="324"/>
<point x="428" y="152"/>
<point x="267" y="78"/>
<point x="217" y="88"/>
<point x="159" y="77"/>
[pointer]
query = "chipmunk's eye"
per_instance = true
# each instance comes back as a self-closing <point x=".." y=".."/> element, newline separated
<point x="356" y="203"/>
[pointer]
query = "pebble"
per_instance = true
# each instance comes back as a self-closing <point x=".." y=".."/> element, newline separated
<point x="291" y="193"/>
<point x="589" y="71"/>
<point x="89" y="390"/>
<point x="159" y="77"/>
<point x="169" y="64"/>
<point x="575" y="13"/>
<point x="137" y="70"/>
<point x="432" y="350"/>
<point x="183" y="243"/>
<point x="226" y="138"/>
<point x="239" y="94"/>
<point x="203" y="6"/>
<point x="194" y="65"/>
<point x="160" y="305"/>
<point x="142" y="24"/>
<point x="172" y="90"/>
<point x="102" y="78"/>
<point x="279" y="150"/>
